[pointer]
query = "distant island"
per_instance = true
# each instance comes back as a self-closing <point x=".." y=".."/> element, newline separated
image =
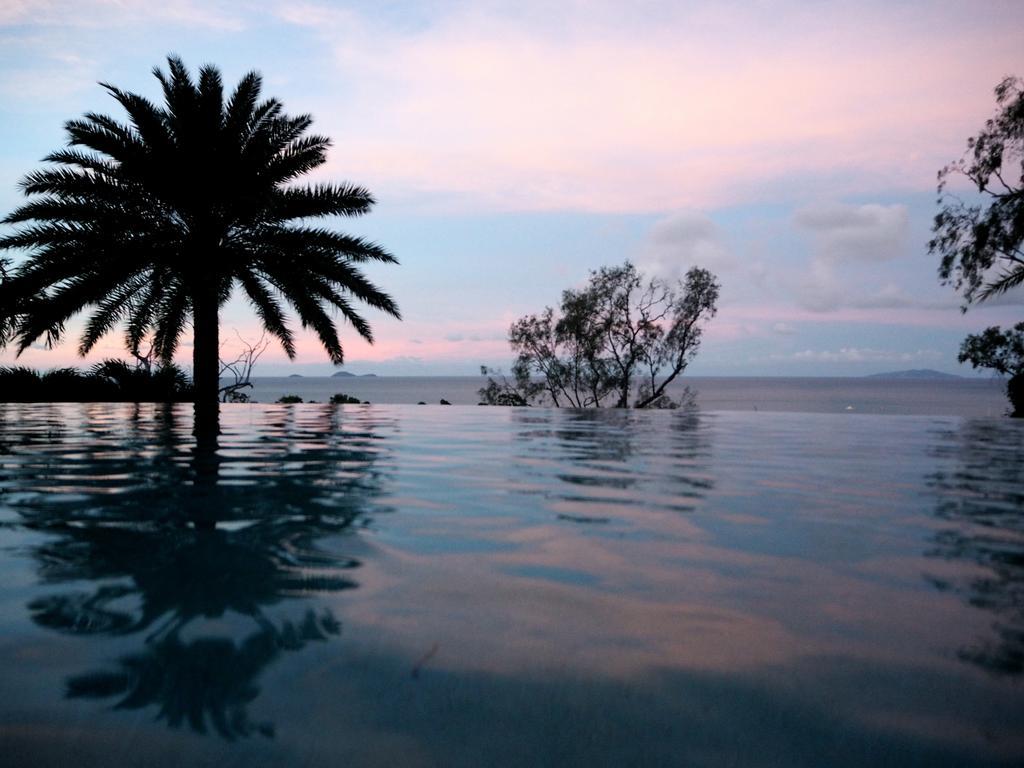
<point x="347" y="375"/>
<point x="915" y="373"/>
<point x="295" y="376"/>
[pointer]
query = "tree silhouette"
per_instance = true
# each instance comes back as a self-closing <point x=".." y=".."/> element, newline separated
<point x="619" y="333"/>
<point x="1003" y="352"/>
<point x="155" y="220"/>
<point x="981" y="241"/>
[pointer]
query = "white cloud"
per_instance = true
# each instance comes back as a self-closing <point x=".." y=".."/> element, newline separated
<point x="842" y="233"/>
<point x="843" y="236"/>
<point x="52" y="77"/>
<point x="822" y="289"/>
<point x="682" y="240"/>
<point x="474" y="338"/>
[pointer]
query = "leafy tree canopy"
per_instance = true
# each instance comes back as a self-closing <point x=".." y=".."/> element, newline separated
<point x="981" y="241"/>
<point x="994" y="348"/>
<point x="1001" y="351"/>
<point x="620" y="340"/>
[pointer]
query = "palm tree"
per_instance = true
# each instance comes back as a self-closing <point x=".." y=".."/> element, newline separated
<point x="153" y="221"/>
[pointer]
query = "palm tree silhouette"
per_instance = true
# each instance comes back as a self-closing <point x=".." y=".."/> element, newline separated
<point x="155" y="220"/>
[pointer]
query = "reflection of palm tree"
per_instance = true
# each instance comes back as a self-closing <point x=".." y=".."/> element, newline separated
<point x="983" y="499"/>
<point x="161" y="216"/>
<point x="208" y="678"/>
<point x="178" y="575"/>
<point x="157" y="564"/>
<point x="174" y="475"/>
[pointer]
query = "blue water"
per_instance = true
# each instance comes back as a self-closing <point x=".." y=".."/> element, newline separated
<point x="403" y="585"/>
<point x="852" y="396"/>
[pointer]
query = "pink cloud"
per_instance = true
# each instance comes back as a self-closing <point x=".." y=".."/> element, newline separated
<point x="504" y="116"/>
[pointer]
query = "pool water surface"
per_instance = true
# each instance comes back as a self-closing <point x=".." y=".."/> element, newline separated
<point x="460" y="586"/>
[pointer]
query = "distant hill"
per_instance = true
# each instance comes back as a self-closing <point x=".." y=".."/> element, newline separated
<point x="916" y="373"/>
<point x="295" y="376"/>
<point x="347" y="375"/>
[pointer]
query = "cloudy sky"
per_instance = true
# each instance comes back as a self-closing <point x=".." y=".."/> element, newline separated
<point x="789" y="147"/>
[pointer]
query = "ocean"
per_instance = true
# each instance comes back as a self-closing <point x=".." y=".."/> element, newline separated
<point x="904" y="397"/>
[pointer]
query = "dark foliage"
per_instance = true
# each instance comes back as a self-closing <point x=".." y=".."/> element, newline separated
<point x="153" y="221"/>
<point x="621" y="340"/>
<point x="342" y="399"/>
<point x="110" y="381"/>
<point x="981" y="243"/>
<point x="1001" y="351"/>
<point x="503" y="392"/>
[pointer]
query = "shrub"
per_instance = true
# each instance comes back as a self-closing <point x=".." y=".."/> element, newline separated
<point x="342" y="399"/>
<point x="109" y="381"/>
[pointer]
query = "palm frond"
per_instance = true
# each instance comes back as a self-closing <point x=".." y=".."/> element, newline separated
<point x="269" y="311"/>
<point x="211" y="99"/>
<point x="46" y="314"/>
<point x="320" y="200"/>
<point x="297" y="158"/>
<point x="325" y="242"/>
<point x="105" y="136"/>
<point x="145" y="306"/>
<point x="109" y="311"/>
<point x="146" y="119"/>
<point x="84" y="160"/>
<point x="242" y="103"/>
<point x="170" y="324"/>
<point x="1010" y="278"/>
<point x="296" y="289"/>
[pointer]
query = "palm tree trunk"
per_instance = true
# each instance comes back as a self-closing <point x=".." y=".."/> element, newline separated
<point x="206" y="367"/>
<point x="205" y="344"/>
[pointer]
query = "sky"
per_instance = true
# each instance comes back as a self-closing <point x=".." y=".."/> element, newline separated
<point x="791" y="148"/>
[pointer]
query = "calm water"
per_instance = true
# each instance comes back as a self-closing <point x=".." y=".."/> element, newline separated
<point x="945" y="397"/>
<point x="411" y="586"/>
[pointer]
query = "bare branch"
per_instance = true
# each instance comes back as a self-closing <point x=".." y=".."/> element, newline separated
<point x="240" y="369"/>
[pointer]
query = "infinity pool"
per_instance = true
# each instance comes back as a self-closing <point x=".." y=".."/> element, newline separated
<point x="463" y="586"/>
